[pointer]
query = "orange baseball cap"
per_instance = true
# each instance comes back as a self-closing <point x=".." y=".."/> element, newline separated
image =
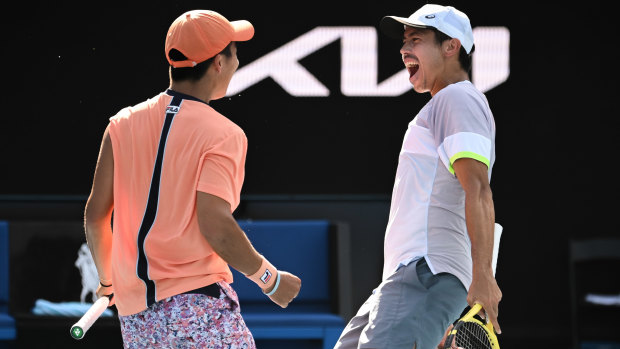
<point x="202" y="34"/>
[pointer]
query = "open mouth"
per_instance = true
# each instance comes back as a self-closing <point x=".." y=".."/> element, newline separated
<point x="412" y="68"/>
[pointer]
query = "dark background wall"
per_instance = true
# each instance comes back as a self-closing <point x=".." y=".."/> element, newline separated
<point x="69" y="67"/>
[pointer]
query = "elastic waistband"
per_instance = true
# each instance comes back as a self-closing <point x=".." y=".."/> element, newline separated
<point x="212" y="290"/>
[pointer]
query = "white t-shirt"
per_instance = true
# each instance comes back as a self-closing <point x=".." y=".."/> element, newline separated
<point x="427" y="213"/>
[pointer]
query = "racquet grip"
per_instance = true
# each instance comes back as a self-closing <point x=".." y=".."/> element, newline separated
<point x="78" y="330"/>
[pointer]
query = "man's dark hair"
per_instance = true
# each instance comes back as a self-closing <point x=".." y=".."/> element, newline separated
<point x="464" y="57"/>
<point x="196" y="72"/>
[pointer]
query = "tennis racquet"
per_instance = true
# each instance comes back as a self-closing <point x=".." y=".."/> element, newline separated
<point x="471" y="333"/>
<point x="78" y="330"/>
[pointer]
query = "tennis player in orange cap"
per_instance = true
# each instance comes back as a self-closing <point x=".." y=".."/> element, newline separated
<point x="171" y="170"/>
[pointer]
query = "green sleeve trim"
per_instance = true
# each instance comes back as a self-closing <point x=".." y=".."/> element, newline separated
<point x="467" y="154"/>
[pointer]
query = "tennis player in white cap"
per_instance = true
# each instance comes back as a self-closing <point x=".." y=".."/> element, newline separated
<point x="439" y="239"/>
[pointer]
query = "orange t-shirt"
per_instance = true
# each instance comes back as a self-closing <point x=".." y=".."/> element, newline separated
<point x="165" y="150"/>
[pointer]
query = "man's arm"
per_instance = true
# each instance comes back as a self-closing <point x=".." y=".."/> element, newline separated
<point x="480" y="219"/>
<point x="223" y="233"/>
<point x="98" y="214"/>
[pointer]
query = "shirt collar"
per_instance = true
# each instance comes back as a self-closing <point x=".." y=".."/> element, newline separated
<point x="174" y="93"/>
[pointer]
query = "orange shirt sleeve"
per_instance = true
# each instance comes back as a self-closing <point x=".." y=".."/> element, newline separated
<point x="222" y="169"/>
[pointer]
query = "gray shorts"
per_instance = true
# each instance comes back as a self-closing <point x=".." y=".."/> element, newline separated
<point x="412" y="306"/>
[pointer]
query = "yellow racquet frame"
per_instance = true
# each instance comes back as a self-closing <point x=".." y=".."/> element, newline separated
<point x="469" y="317"/>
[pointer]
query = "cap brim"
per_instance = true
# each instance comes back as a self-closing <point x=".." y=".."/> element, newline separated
<point x="243" y="30"/>
<point x="392" y="26"/>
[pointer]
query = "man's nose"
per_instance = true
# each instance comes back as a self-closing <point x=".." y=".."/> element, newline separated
<point x="404" y="49"/>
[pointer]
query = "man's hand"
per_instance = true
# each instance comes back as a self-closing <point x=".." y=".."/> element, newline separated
<point x="106" y="291"/>
<point x="287" y="290"/>
<point x="442" y="344"/>
<point x="484" y="290"/>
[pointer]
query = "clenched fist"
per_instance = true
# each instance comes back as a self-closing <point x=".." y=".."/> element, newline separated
<point x="287" y="290"/>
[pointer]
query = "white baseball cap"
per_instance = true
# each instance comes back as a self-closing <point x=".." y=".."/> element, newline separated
<point x="446" y="19"/>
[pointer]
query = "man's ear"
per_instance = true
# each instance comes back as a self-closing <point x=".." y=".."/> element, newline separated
<point x="217" y="63"/>
<point x="452" y="47"/>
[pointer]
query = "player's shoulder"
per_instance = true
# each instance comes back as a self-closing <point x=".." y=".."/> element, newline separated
<point x="462" y="90"/>
<point x="204" y="114"/>
<point x="202" y="120"/>
<point x="141" y="107"/>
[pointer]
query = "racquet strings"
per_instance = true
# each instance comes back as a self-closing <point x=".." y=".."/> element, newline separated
<point x="472" y="335"/>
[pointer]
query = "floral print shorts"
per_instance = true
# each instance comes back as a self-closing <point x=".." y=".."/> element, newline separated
<point x="189" y="321"/>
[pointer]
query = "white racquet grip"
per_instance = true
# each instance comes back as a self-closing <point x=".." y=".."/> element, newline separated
<point x="78" y="330"/>
<point x="497" y="235"/>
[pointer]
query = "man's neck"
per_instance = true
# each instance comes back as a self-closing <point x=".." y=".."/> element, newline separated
<point x="449" y="79"/>
<point x="192" y="89"/>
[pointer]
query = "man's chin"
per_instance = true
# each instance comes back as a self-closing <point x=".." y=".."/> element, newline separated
<point x="417" y="89"/>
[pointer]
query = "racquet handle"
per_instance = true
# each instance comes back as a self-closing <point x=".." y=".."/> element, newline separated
<point x="78" y="330"/>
